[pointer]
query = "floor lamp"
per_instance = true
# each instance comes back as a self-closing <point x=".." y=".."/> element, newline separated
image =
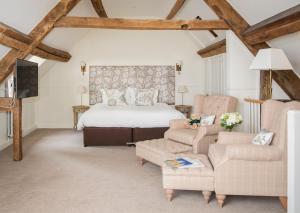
<point x="267" y="60"/>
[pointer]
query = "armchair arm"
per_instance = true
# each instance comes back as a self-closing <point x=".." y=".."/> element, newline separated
<point x="235" y="138"/>
<point x="178" y="123"/>
<point x="209" y="130"/>
<point x="253" y="152"/>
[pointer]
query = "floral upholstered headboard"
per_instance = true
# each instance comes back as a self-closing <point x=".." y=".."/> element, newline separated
<point x="142" y="77"/>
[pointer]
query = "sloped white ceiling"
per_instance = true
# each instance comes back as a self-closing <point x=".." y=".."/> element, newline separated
<point x="25" y="14"/>
<point x="254" y="11"/>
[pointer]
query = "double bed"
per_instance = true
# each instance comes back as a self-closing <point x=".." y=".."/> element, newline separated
<point x="120" y="124"/>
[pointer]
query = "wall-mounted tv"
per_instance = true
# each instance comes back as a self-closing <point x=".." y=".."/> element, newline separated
<point x="26" y="79"/>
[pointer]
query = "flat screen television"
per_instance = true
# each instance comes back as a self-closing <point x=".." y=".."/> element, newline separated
<point x="26" y="79"/>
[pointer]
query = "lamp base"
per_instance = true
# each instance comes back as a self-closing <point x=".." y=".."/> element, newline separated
<point x="266" y="85"/>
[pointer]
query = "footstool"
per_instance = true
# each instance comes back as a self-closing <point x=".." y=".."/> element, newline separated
<point x="157" y="150"/>
<point x="201" y="178"/>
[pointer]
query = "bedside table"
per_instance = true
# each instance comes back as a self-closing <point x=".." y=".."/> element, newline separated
<point x="76" y="111"/>
<point x="185" y="109"/>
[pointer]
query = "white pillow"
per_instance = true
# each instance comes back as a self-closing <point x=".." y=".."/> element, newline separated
<point x="264" y="137"/>
<point x="117" y="95"/>
<point x="155" y="96"/>
<point x="144" y="97"/>
<point x="130" y="95"/>
<point x="207" y="120"/>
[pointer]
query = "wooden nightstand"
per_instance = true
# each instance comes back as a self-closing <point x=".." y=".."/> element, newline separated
<point x="76" y="111"/>
<point x="185" y="109"/>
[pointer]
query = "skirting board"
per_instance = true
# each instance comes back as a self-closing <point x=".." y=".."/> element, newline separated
<point x="29" y="130"/>
<point x="5" y="144"/>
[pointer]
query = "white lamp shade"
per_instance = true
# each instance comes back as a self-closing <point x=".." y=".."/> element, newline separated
<point x="82" y="89"/>
<point x="182" y="89"/>
<point x="271" y="59"/>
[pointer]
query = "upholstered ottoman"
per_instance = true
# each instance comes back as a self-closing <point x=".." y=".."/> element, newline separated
<point x="201" y="178"/>
<point x="157" y="150"/>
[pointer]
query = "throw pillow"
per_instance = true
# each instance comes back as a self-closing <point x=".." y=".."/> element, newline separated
<point x="264" y="137"/>
<point x="108" y="94"/>
<point x="144" y="97"/>
<point x="207" y="120"/>
<point x="130" y="95"/>
<point x="112" y="102"/>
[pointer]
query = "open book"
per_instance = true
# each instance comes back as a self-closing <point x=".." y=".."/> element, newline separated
<point x="184" y="162"/>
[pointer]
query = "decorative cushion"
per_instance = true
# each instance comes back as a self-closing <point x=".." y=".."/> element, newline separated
<point x="117" y="95"/>
<point x="130" y="95"/>
<point x="264" y="137"/>
<point x="144" y="97"/>
<point x="207" y="120"/>
<point x="112" y="102"/>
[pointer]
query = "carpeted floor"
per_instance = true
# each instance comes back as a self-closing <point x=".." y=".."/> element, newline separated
<point x="59" y="175"/>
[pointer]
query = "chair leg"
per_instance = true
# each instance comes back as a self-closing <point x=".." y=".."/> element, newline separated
<point x="142" y="161"/>
<point x="220" y="199"/>
<point x="284" y="201"/>
<point x="206" y="195"/>
<point x="170" y="194"/>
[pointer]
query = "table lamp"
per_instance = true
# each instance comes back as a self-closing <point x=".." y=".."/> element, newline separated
<point x="270" y="59"/>
<point x="182" y="89"/>
<point x="82" y="90"/>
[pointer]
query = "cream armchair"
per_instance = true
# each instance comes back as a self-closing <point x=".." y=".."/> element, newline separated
<point x="242" y="168"/>
<point x="201" y="138"/>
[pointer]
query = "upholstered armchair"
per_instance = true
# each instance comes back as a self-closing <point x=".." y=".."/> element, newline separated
<point x="242" y="168"/>
<point x="203" y="136"/>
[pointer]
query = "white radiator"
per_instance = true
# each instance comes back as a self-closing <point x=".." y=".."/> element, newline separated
<point x="9" y="92"/>
<point x="253" y="113"/>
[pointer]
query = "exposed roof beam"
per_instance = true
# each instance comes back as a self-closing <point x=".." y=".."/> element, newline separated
<point x="287" y="79"/>
<point x="281" y="24"/>
<point x="13" y="38"/>
<point x="214" y="49"/>
<point x="37" y="34"/>
<point x="99" y="8"/>
<point x="176" y="7"/>
<point x="138" y="24"/>
<point x="211" y="31"/>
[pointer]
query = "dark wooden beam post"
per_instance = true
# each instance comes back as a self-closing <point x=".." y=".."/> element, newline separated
<point x="17" y="130"/>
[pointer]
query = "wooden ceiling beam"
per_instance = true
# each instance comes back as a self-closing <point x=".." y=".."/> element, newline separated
<point x="99" y="8"/>
<point x="138" y="24"/>
<point x="37" y="34"/>
<point x="176" y="7"/>
<point x="13" y="38"/>
<point x="281" y="24"/>
<point x="287" y="80"/>
<point x="214" y="49"/>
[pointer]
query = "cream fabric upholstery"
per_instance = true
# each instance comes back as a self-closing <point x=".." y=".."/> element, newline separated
<point x="201" y="138"/>
<point x="191" y="178"/>
<point x="156" y="151"/>
<point x="242" y="168"/>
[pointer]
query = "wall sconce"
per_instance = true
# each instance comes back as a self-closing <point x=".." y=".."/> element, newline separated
<point x="83" y="67"/>
<point x="178" y="67"/>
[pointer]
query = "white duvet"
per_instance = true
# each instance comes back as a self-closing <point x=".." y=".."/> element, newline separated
<point x="102" y="115"/>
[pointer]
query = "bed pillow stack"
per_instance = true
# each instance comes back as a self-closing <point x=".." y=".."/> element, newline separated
<point x="131" y="96"/>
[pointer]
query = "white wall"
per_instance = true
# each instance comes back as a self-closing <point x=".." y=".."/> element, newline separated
<point x="241" y="82"/>
<point x="293" y="161"/>
<point x="59" y="84"/>
<point x="28" y="121"/>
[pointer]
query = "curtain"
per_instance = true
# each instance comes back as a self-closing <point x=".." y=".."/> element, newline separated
<point x="215" y="72"/>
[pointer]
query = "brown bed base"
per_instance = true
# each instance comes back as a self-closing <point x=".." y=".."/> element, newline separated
<point x="114" y="136"/>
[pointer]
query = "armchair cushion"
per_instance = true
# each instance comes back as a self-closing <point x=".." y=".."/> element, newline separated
<point x="252" y="152"/>
<point x="217" y="154"/>
<point x="178" y="123"/>
<point x="235" y="138"/>
<point x="185" y="136"/>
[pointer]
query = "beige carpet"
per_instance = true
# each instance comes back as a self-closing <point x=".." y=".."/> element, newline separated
<point x="59" y="175"/>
